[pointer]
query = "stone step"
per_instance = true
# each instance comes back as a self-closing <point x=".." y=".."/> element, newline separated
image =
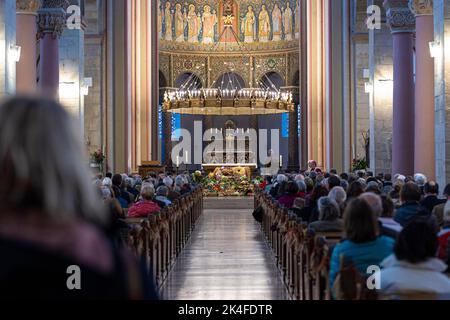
<point x="228" y="203"/>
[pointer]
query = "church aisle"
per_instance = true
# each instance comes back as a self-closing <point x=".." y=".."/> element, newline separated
<point x="226" y="258"/>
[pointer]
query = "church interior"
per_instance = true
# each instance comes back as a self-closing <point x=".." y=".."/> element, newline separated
<point x="203" y="150"/>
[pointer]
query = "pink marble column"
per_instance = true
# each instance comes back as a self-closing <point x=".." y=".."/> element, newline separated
<point x="401" y="21"/>
<point x="51" y="23"/>
<point x="425" y="153"/>
<point x="26" y="71"/>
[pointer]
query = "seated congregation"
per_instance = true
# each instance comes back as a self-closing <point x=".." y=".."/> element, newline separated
<point x="393" y="231"/>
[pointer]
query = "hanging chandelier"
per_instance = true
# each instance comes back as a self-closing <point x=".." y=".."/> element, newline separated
<point x="228" y="97"/>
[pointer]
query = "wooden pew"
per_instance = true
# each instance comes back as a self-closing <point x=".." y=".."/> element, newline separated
<point x="160" y="238"/>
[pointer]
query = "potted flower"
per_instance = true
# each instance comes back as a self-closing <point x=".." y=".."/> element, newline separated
<point x="97" y="159"/>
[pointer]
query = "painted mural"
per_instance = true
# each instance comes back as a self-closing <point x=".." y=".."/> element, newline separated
<point x="252" y="21"/>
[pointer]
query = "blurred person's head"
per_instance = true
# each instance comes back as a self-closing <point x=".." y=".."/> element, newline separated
<point x="388" y="207"/>
<point x="417" y="242"/>
<point x="147" y="192"/>
<point x="373" y="187"/>
<point x="117" y="180"/>
<point x="431" y="188"/>
<point x="360" y="222"/>
<point x="291" y="188"/>
<point x="338" y="194"/>
<point x="301" y="186"/>
<point x="328" y="209"/>
<point x="162" y="191"/>
<point x="420" y="179"/>
<point x="299" y="203"/>
<point x="355" y="189"/>
<point x="374" y="202"/>
<point x="410" y="192"/>
<point x="333" y="181"/>
<point x="107" y="182"/>
<point x="41" y="163"/>
<point x="168" y="182"/>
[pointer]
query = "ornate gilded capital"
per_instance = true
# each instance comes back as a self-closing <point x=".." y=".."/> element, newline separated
<point x="28" y="6"/>
<point x="52" y="17"/>
<point x="399" y="16"/>
<point x="421" y="7"/>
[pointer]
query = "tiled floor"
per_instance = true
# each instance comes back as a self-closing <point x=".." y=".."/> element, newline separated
<point x="226" y="259"/>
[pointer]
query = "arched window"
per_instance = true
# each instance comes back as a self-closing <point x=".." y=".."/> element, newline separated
<point x="229" y="80"/>
<point x="271" y="80"/>
<point x="188" y="81"/>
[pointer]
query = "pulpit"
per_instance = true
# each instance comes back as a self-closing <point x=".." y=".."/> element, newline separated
<point x="148" y="167"/>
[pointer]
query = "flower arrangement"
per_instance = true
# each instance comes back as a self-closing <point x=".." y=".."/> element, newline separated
<point x="97" y="159"/>
<point x="359" y="164"/>
<point x="227" y="182"/>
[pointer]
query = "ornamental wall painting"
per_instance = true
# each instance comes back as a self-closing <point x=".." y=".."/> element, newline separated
<point x="253" y="21"/>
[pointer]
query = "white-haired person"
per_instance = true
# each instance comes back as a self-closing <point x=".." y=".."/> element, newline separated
<point x="173" y="192"/>
<point x="388" y="226"/>
<point x="329" y="216"/>
<point x="145" y="206"/>
<point x="339" y="195"/>
<point x="420" y="179"/>
<point x="162" y="196"/>
<point x="277" y="188"/>
<point x="51" y="217"/>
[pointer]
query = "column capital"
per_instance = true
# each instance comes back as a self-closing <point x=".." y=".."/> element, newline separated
<point x="399" y="16"/>
<point x="52" y="17"/>
<point x="28" y="6"/>
<point x="421" y="7"/>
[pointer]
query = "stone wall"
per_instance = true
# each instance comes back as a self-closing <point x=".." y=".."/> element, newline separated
<point x="442" y="80"/>
<point x="361" y="63"/>
<point x="93" y="65"/>
<point x="381" y="128"/>
<point x="7" y="38"/>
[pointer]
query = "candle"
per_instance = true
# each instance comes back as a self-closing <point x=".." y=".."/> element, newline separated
<point x="178" y="161"/>
<point x="281" y="161"/>
<point x="187" y="157"/>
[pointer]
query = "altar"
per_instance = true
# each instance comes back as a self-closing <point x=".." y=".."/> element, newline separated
<point x="211" y="167"/>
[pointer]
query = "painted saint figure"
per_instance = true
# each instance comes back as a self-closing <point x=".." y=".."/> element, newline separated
<point x="193" y="22"/>
<point x="180" y="23"/>
<point x="160" y="14"/>
<point x="209" y="22"/>
<point x="228" y="7"/>
<point x="297" y="20"/>
<point x="277" y="23"/>
<point x="287" y="22"/>
<point x="168" y="21"/>
<point x="264" y="25"/>
<point x="248" y="25"/>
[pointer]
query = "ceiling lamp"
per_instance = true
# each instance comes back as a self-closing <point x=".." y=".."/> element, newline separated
<point x="230" y="97"/>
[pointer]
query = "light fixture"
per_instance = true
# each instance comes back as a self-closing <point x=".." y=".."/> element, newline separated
<point x="435" y="49"/>
<point x="229" y="97"/>
<point x="15" y="51"/>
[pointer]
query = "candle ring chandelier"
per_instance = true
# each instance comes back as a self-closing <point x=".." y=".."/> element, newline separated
<point x="228" y="97"/>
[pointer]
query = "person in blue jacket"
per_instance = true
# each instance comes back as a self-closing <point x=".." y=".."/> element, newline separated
<point x="362" y="245"/>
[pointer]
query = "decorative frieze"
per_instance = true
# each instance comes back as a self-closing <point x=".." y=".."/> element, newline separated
<point x="52" y="17"/>
<point x="28" y="6"/>
<point x="421" y="7"/>
<point x="399" y="16"/>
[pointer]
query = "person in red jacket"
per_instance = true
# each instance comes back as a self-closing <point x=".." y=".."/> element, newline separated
<point x="145" y="206"/>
